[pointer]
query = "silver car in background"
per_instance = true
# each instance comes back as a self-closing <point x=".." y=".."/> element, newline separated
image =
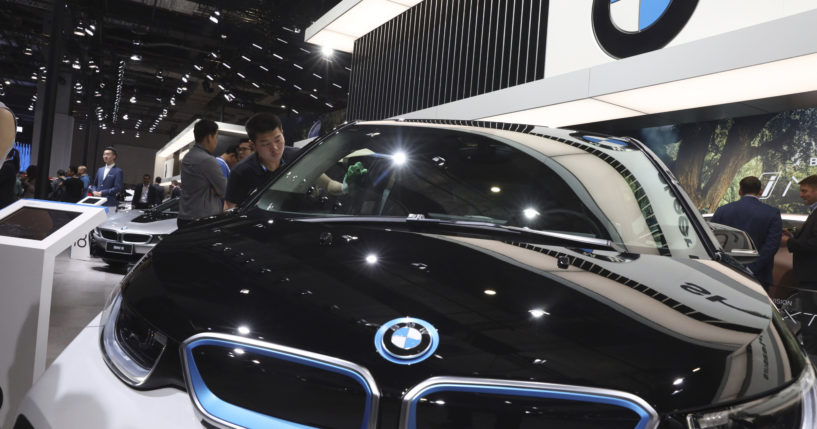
<point x="126" y="236"/>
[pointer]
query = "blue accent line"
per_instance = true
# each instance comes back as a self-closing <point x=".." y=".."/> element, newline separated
<point x="252" y="419"/>
<point x="517" y="391"/>
<point x="650" y="11"/>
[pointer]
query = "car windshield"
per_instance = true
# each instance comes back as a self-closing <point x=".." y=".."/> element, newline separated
<point x="169" y="207"/>
<point x="587" y="188"/>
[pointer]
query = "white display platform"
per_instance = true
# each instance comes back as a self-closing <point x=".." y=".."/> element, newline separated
<point x="32" y="233"/>
<point x="93" y="201"/>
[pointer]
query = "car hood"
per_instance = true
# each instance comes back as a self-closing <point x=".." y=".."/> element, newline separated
<point x="681" y="334"/>
<point x="141" y="222"/>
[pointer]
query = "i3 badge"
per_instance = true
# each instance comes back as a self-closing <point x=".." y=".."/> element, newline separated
<point x="630" y="27"/>
<point x="406" y="340"/>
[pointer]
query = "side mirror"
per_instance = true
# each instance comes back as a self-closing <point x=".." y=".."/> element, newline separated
<point x="735" y="242"/>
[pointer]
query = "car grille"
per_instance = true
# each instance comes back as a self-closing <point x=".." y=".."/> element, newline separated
<point x="136" y="238"/>
<point x="284" y="385"/>
<point x="125" y="238"/>
<point x="288" y="386"/>
<point x="486" y="408"/>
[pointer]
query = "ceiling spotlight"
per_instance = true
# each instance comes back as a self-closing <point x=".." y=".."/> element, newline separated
<point x="223" y="36"/>
<point x="213" y="19"/>
<point x="197" y="67"/>
<point x="136" y="57"/>
<point x="89" y="31"/>
<point x="257" y="46"/>
<point x="28" y="52"/>
<point x="125" y="117"/>
<point x="133" y="99"/>
<point x="327" y="52"/>
<point x="78" y="31"/>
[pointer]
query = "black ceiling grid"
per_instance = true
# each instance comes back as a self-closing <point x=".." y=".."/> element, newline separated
<point x="253" y="51"/>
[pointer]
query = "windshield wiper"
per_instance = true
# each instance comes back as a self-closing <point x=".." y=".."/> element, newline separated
<point x="418" y="220"/>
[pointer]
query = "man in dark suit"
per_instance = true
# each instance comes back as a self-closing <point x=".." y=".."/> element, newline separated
<point x="760" y="221"/>
<point x="109" y="179"/>
<point x="803" y="243"/>
<point x="144" y="196"/>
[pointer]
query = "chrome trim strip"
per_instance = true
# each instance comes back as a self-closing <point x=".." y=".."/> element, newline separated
<point x="410" y="399"/>
<point x="239" y="340"/>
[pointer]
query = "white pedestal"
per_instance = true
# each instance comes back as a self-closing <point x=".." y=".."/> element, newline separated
<point x="26" y="277"/>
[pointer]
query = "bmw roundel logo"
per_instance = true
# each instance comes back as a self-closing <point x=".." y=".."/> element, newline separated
<point x="630" y="27"/>
<point x="406" y="340"/>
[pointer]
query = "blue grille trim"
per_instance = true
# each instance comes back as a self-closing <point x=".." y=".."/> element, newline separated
<point x="648" y="418"/>
<point x="230" y="415"/>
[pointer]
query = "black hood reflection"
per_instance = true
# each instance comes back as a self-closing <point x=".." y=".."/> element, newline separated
<point x="682" y="334"/>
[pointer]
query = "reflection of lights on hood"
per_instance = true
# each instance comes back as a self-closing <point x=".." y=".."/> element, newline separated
<point x="243" y="330"/>
<point x="399" y="158"/>
<point x="371" y="258"/>
<point x="538" y="312"/>
<point x="490" y="292"/>
<point x="238" y="351"/>
<point x="530" y="213"/>
<point x="678" y="382"/>
<point x="496" y="189"/>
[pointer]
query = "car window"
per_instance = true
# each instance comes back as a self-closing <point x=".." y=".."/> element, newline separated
<point x="531" y="182"/>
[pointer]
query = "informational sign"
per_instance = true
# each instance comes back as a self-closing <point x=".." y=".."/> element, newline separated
<point x="584" y="34"/>
<point x="32" y="233"/>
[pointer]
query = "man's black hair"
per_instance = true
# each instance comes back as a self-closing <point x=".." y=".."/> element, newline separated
<point x="233" y="149"/>
<point x="158" y="179"/>
<point x="204" y="128"/>
<point x="261" y="123"/>
<point x="110" y="148"/>
<point x="750" y="185"/>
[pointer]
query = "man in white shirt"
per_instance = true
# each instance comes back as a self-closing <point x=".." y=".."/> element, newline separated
<point x="109" y="179"/>
<point x="144" y="196"/>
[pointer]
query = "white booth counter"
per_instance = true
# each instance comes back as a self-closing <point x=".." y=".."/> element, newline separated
<point x="32" y="234"/>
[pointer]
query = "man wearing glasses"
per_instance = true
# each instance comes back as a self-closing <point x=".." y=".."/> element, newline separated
<point x="245" y="149"/>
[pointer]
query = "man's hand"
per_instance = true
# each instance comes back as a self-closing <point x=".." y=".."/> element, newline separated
<point x="784" y="239"/>
<point x="354" y="175"/>
<point x="97" y="193"/>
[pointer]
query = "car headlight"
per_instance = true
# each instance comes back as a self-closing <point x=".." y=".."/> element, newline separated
<point x="793" y="407"/>
<point x="130" y="347"/>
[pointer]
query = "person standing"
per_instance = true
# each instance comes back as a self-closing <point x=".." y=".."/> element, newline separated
<point x="175" y="189"/>
<point x="144" y="196"/>
<point x="266" y="134"/>
<point x="762" y="222"/>
<point x="83" y="176"/>
<point x="204" y="183"/>
<point x="109" y="180"/>
<point x="72" y="187"/>
<point x="30" y="182"/>
<point x="245" y="149"/>
<point x="8" y="178"/>
<point x="228" y="159"/>
<point x="803" y="243"/>
<point x="160" y="191"/>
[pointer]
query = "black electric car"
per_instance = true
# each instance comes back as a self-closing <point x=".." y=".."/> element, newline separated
<point x="466" y="275"/>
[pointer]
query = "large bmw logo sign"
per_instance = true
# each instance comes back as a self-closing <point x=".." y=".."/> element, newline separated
<point x="630" y="27"/>
<point x="406" y="340"/>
